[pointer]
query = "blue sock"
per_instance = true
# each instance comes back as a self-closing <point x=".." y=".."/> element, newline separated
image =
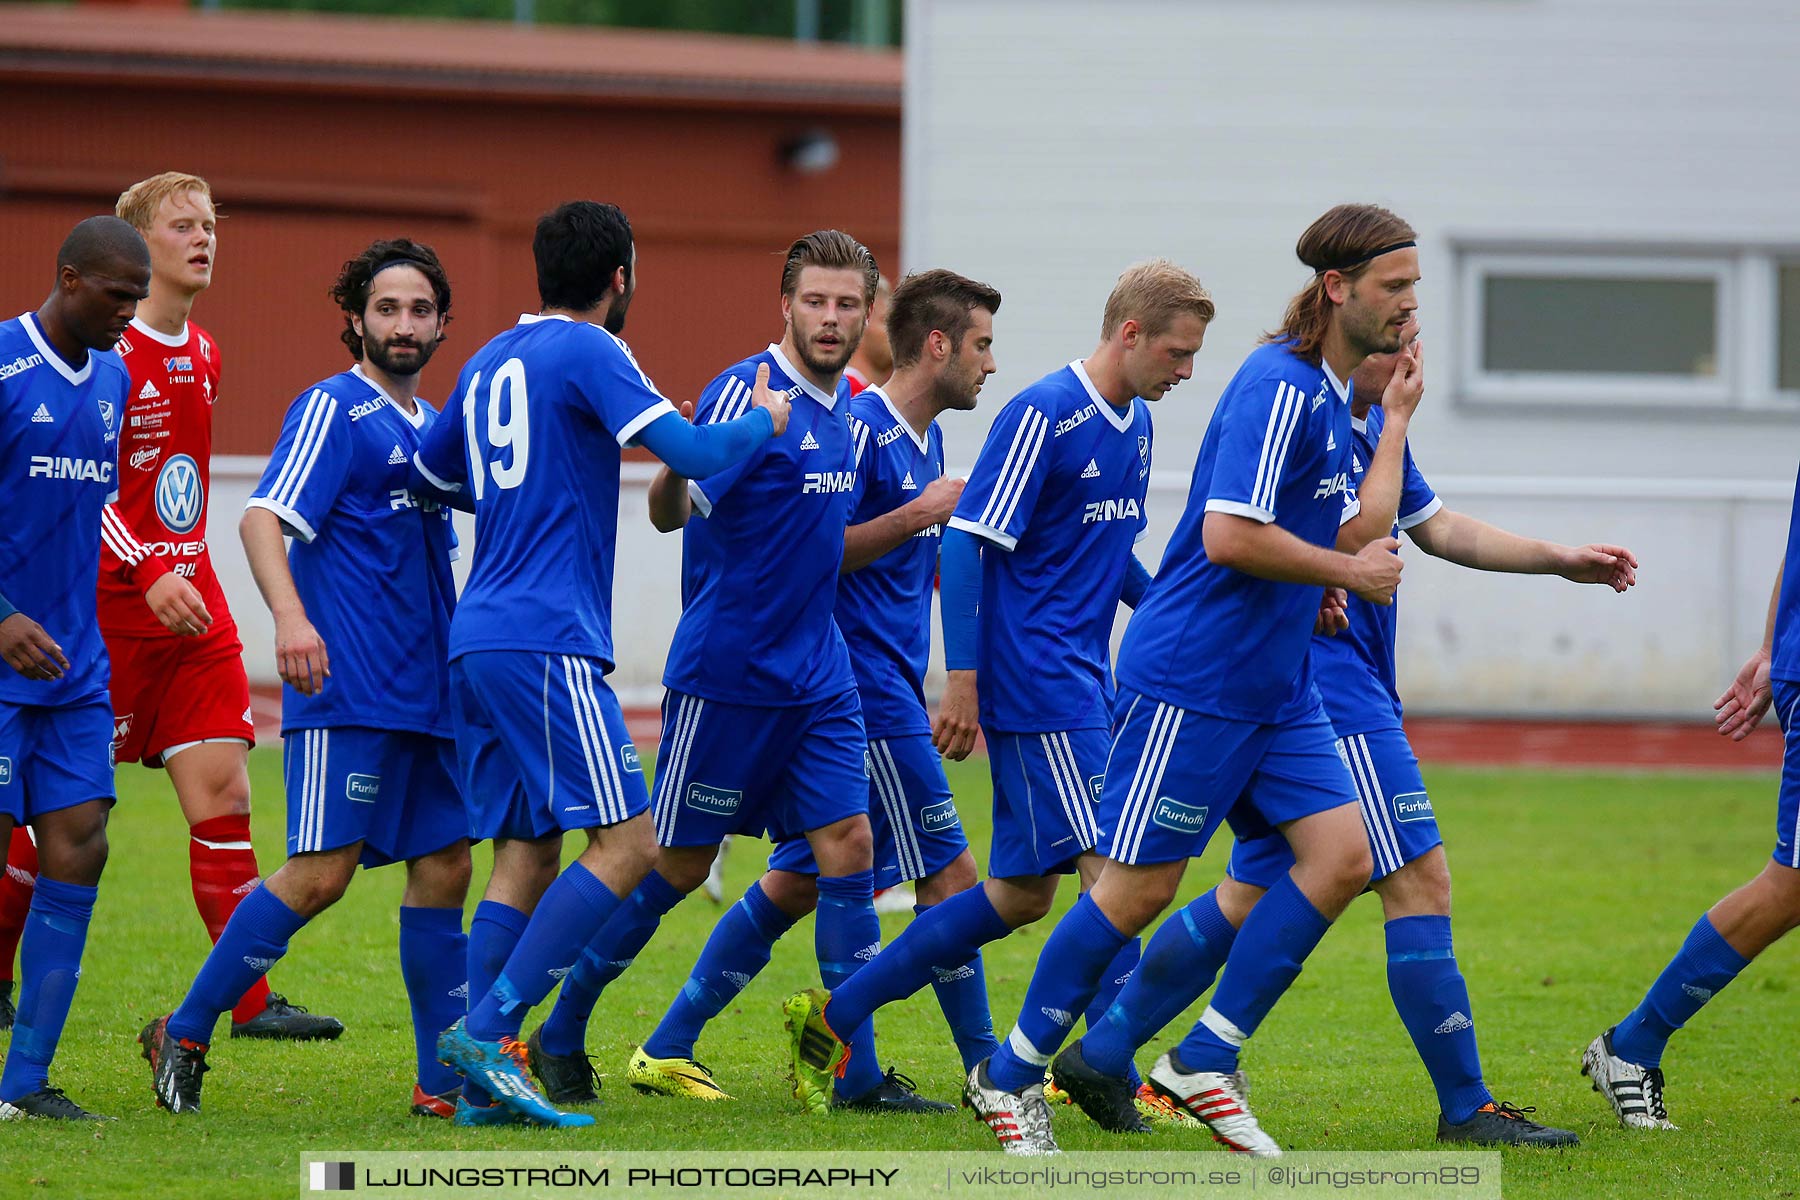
<point x="1704" y="964"/>
<point x="607" y="957"/>
<point x="1118" y="973"/>
<point x="1180" y="963"/>
<point x="961" y="994"/>
<point x="1277" y="936"/>
<point x="434" y="962"/>
<point x="493" y="932"/>
<point x="56" y="929"/>
<point x="1069" y="970"/>
<point x="736" y="951"/>
<point x="252" y="941"/>
<point x="847" y="935"/>
<point x="1433" y="1003"/>
<point x="942" y="937"/>
<point x="573" y="909"/>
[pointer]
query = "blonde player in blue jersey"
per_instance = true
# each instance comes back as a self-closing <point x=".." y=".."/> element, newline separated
<point x="362" y="605"/>
<point x="1035" y="565"/>
<point x="62" y="399"/>
<point x="542" y="412"/>
<point x="1217" y="714"/>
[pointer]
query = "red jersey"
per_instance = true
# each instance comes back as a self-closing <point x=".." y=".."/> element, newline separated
<point x="856" y="379"/>
<point x="158" y="524"/>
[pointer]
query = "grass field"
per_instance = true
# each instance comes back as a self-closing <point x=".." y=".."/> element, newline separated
<point x="1572" y="890"/>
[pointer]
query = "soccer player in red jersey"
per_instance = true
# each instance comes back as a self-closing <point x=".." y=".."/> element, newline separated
<point x="873" y="361"/>
<point x="180" y="697"/>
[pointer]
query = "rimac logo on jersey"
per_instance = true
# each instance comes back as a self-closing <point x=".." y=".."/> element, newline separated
<point x="1331" y="485"/>
<point x="19" y="365"/>
<point x="179" y="498"/>
<point x="51" y="466"/>
<point x="826" y="482"/>
<point x="1126" y="509"/>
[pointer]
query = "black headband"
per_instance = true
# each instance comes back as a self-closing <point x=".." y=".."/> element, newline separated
<point x="397" y="262"/>
<point x="1363" y="258"/>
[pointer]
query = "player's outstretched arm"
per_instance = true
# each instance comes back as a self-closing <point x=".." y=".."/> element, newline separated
<point x="1744" y="704"/>
<point x="1268" y="551"/>
<point x="1459" y="538"/>
<point x="25" y="646"/>
<point x="865" y="543"/>
<point x="299" y="650"/>
<point x="1383" y="482"/>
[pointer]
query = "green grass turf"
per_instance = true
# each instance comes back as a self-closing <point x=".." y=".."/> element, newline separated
<point x="1572" y="891"/>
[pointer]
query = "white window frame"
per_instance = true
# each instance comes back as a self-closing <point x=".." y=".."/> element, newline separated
<point x="1724" y="389"/>
<point x="1768" y="273"/>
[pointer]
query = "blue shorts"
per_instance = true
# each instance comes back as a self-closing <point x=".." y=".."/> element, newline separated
<point x="1787" y="806"/>
<point x="1046" y="787"/>
<point x="1396" y="812"/>
<point x="394" y="792"/>
<point x="52" y="758"/>
<point x="742" y="768"/>
<point x="1175" y="775"/>
<point x="541" y="745"/>
<point x="911" y="812"/>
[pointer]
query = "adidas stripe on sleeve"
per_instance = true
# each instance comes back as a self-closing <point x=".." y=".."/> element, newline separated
<point x="307" y="470"/>
<point x="1002" y="490"/>
<point x="1254" y="451"/>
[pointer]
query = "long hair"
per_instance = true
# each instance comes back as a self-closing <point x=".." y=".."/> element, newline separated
<point x="1344" y="240"/>
<point x="354" y="282"/>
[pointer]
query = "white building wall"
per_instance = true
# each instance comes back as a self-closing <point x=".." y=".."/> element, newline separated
<point x="1049" y="143"/>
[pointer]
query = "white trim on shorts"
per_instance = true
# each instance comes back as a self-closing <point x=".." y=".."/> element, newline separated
<point x="1146" y="780"/>
<point x="890" y="789"/>
<point x="1378" y="822"/>
<point x="671" y="773"/>
<point x="178" y="747"/>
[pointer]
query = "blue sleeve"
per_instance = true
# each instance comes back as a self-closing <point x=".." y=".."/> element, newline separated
<point x="6" y="608"/>
<point x="959" y="594"/>
<point x="1002" y="490"/>
<point x="308" y="468"/>
<point x="621" y="394"/>
<point x="1137" y="582"/>
<point x="1418" y="502"/>
<point x="865" y="460"/>
<point x="440" y="466"/>
<point x="725" y="400"/>
<point x="698" y="451"/>
<point x="1257" y="420"/>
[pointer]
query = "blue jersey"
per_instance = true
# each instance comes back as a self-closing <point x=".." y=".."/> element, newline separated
<point x="1355" y="669"/>
<point x="1058" y="493"/>
<point x="884" y="608"/>
<point x="541" y="414"/>
<point x="760" y="558"/>
<point x="371" y="561"/>
<point x="1785" y="664"/>
<point x="59" y="468"/>
<point x="1218" y="641"/>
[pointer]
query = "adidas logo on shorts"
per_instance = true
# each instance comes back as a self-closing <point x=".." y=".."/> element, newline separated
<point x="1456" y="1022"/>
<point x="1061" y="1016"/>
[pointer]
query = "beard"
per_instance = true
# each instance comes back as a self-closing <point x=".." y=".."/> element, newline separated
<point x="407" y="358"/>
<point x="829" y="363"/>
<point x="615" y="317"/>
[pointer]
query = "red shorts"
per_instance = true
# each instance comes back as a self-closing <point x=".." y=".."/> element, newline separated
<point x="168" y="691"/>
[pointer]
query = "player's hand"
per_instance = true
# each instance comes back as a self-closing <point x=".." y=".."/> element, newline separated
<point x="958" y="719"/>
<point x="29" y="650"/>
<point x="1334" y="614"/>
<point x="1375" y="572"/>
<point x="177" y="604"/>
<point x="937" y="503"/>
<point x="1614" y="566"/>
<point x="1407" y="387"/>
<point x="300" y="655"/>
<point x="1742" y="707"/>
<point x="775" y="402"/>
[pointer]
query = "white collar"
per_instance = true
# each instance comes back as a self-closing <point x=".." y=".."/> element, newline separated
<point x="1360" y="424"/>
<point x="1119" y="421"/>
<point x="77" y="377"/>
<point x="923" y="445"/>
<point x="1342" y="389"/>
<point x="828" y="399"/>
<point x="534" y="318"/>
<point x="415" y="418"/>
<point x="171" y="340"/>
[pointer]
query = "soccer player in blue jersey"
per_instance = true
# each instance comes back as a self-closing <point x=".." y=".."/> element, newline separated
<point x="762" y="726"/>
<point x="1353" y="665"/>
<point x="62" y="398"/>
<point x="362" y="608"/>
<point x="543" y="410"/>
<point x="1625" y="1061"/>
<point x="1035" y="563"/>
<point x="1217" y="713"/>
<point x="941" y="326"/>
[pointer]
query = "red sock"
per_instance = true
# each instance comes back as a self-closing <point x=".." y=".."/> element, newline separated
<point x="223" y="867"/>
<point x="16" y="889"/>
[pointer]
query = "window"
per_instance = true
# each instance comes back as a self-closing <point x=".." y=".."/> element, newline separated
<point x="1787" y="335"/>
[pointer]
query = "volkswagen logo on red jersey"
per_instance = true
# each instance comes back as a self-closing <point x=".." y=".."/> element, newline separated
<point x="179" y="500"/>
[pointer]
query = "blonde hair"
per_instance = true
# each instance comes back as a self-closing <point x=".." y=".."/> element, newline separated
<point x="138" y="203"/>
<point x="1153" y="293"/>
<point x="1346" y="240"/>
